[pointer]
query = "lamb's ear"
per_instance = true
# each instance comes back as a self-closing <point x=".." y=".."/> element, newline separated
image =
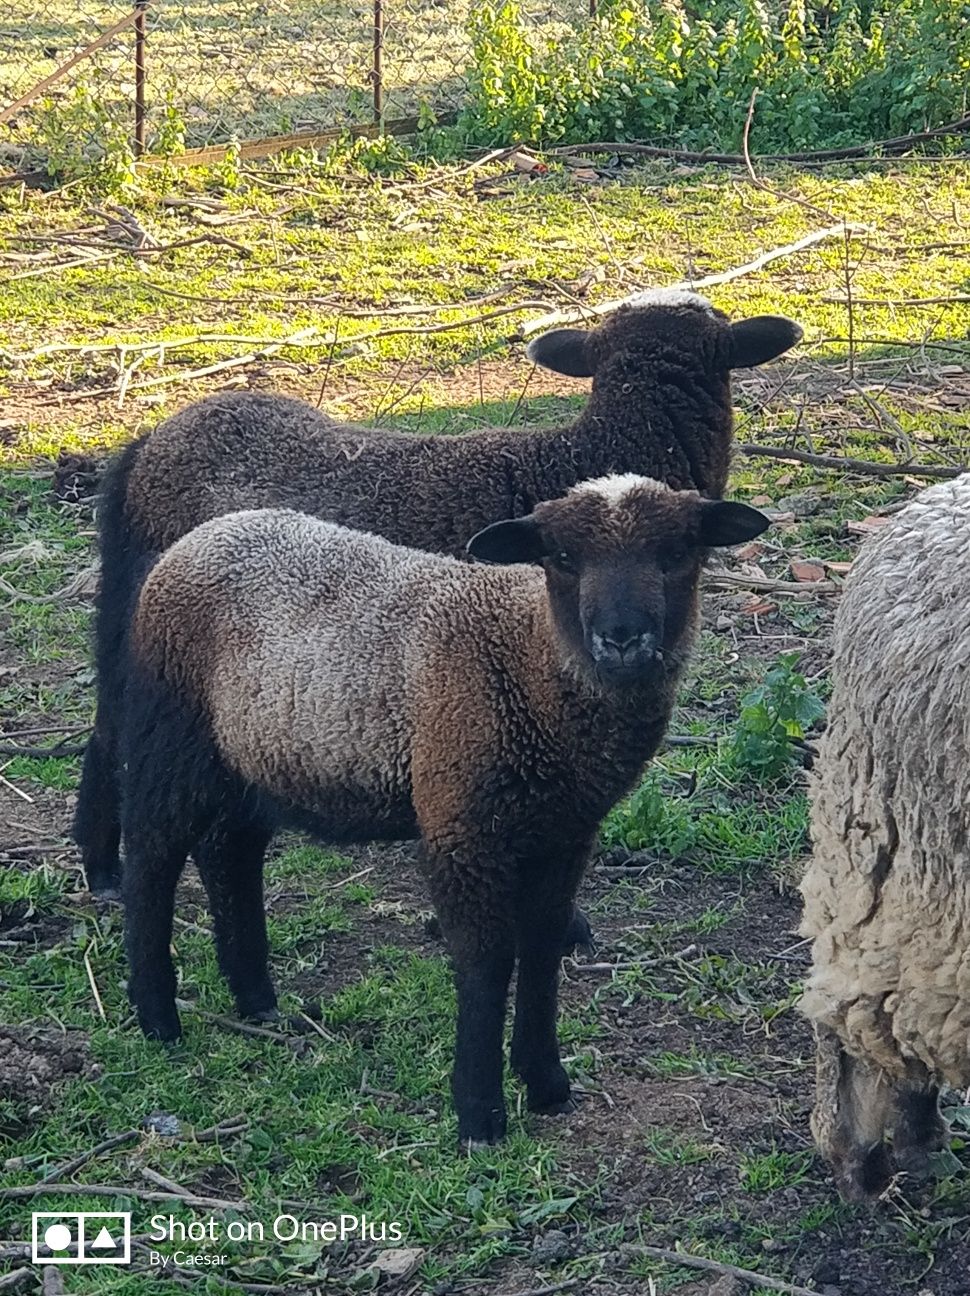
<point x="563" y="351"/>
<point x="726" y="523"/>
<point x="516" y="541"/>
<point x="762" y="338"/>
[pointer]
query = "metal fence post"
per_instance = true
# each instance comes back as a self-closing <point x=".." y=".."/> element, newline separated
<point x="378" y="70"/>
<point x="592" y="8"/>
<point x="141" y="8"/>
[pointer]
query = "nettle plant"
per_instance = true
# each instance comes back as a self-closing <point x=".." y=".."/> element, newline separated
<point x="838" y="72"/>
<point x="780" y="709"/>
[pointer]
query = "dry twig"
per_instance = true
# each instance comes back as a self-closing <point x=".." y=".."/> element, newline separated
<point x="843" y="464"/>
<point x="721" y="1267"/>
<point x="555" y="318"/>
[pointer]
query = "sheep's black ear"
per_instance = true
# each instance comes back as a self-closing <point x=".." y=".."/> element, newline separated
<point x="726" y="523"/>
<point x="563" y="351"/>
<point x="762" y="338"/>
<point x="517" y="541"/>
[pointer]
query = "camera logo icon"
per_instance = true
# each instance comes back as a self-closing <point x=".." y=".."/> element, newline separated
<point x="81" y="1237"/>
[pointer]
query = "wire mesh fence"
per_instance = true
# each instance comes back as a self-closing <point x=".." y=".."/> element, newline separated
<point x="217" y="70"/>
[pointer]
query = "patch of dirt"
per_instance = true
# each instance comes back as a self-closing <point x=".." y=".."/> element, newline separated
<point x="32" y="1062"/>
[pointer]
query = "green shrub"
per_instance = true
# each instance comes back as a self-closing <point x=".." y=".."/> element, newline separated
<point x="779" y="709"/>
<point x="840" y="73"/>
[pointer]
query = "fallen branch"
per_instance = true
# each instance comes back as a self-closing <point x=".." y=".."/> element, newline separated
<point x="71" y="1167"/>
<point x="69" y="731"/>
<point x="725" y="580"/>
<point x="306" y="339"/>
<point x="242" y="1028"/>
<point x="12" y="787"/>
<point x="141" y="1194"/>
<point x="225" y="1129"/>
<point x="863" y="151"/>
<point x="36" y="848"/>
<point x="763" y="184"/>
<point x="845" y="464"/>
<point x="555" y="318"/>
<point x="567" y="1285"/>
<point x="721" y="1267"/>
<point x="955" y="300"/>
<point x="80" y="586"/>
<point x="58" y="752"/>
<point x="630" y="965"/>
<point x="118" y="1190"/>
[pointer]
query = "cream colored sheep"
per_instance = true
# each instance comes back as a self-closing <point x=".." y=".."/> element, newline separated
<point x="887" y="896"/>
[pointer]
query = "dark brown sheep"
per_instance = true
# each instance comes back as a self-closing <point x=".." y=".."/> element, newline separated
<point x="660" y="405"/>
<point x="287" y="669"/>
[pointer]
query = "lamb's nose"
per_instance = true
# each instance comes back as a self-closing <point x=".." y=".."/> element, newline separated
<point x="621" y="640"/>
<point x="621" y="643"/>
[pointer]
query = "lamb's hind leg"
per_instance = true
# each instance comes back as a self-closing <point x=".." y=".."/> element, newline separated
<point x="173" y="789"/>
<point x="96" y="828"/>
<point x="230" y="859"/>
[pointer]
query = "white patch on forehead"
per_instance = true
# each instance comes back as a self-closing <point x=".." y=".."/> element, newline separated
<point x="670" y="297"/>
<point x="615" y="488"/>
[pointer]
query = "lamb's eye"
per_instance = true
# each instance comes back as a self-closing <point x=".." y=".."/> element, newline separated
<point x="563" y="561"/>
<point x="674" y="556"/>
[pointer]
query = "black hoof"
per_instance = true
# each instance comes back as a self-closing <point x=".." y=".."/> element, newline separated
<point x="162" y="1026"/>
<point x="105" y="887"/>
<point x="864" y="1177"/>
<point x="481" y="1128"/>
<point x="579" y="935"/>
<point x="550" y="1092"/>
<point x="258" y="1004"/>
<point x="570" y="1104"/>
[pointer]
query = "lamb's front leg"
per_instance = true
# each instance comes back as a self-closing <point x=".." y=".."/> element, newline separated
<point x="543" y="920"/>
<point x="476" y="921"/>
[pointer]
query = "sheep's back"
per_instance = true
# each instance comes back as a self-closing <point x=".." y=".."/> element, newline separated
<point x="887" y="895"/>
<point x="288" y="634"/>
<point x="253" y="451"/>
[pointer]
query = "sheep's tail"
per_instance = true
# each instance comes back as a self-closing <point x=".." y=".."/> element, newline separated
<point x="126" y="559"/>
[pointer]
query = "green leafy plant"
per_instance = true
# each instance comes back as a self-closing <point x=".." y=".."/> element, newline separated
<point x="170" y="136"/>
<point x="842" y="72"/>
<point x="650" y="817"/>
<point x="83" y="135"/>
<point x="781" y="708"/>
<point x="229" y="169"/>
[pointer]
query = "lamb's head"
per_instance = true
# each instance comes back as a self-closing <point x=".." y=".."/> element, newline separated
<point x="622" y="557"/>
<point x="658" y="327"/>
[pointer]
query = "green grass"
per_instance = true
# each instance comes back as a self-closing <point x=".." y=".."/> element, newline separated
<point x="305" y="265"/>
<point x="768" y="1171"/>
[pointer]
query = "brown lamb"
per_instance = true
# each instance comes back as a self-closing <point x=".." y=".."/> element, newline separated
<point x="285" y="669"/>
